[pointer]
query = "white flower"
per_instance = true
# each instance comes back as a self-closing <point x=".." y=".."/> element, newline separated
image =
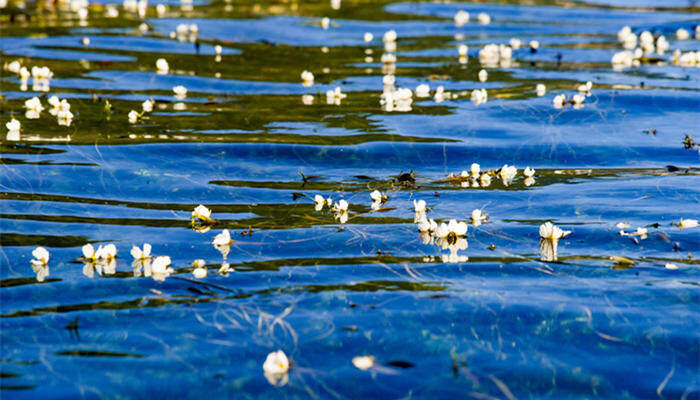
<point x="368" y="37"/>
<point x="559" y="101"/>
<point x="507" y="172"/>
<point x="377" y="196"/>
<point x="670" y="266"/>
<point x="419" y="206"/>
<point x="515" y="43"/>
<point x="682" y="34"/>
<point x="133" y="116"/>
<point x="161" y="9"/>
<point x="24" y="73"/>
<point x="534" y="45"/>
<point x="319" y="202"/>
<point x="222" y="239"/>
<point x="13" y="67"/>
<point x="662" y="44"/>
<point x="427" y="225"/>
<point x="551" y="231"/>
<point x="388" y="80"/>
<point x="199" y="271"/>
<point x="363" y="362"/>
<point x="201" y="212"/>
<point x="586" y="87"/>
<point x="107" y="252"/>
<point x="483" y="75"/>
<point x="688" y="223"/>
<point x="86" y="41"/>
<point x="41" y="73"/>
<point x="140" y="254"/>
<point x="422" y="90"/>
<point x="578" y="99"/>
<point x="225" y="269"/>
<point x="462" y="49"/>
<point x="478" y="217"/>
<point x="147" y="105"/>
<point x="461" y="18"/>
<point x="307" y="99"/>
<point x="325" y="23"/>
<point x="13" y="126"/>
<point x="622" y="59"/>
<point x="388" y="58"/>
<point x="341" y="206"/>
<point x="479" y="96"/>
<point x="475" y="169"/>
<point x="623" y="33"/>
<point x="622" y="225"/>
<point x="162" y="66"/>
<point x="389" y="36"/>
<point x="89" y="252"/>
<point x="34" y="104"/>
<point x="276" y="368"/>
<point x="307" y="78"/>
<point x="180" y="91"/>
<point x="41" y="256"/>
<point x="483" y="18"/>
<point x="64" y="117"/>
<point x="160" y="268"/>
<point x="334" y="96"/>
<point x="489" y="54"/>
<point x="540" y="89"/>
<point x="453" y="228"/>
<point x="529" y="172"/>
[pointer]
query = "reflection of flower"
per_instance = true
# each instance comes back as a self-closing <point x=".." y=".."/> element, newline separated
<point x="199" y="271"/>
<point x="222" y="242"/>
<point x="180" y="92"/>
<point x="41" y="271"/>
<point x="276" y="368"/>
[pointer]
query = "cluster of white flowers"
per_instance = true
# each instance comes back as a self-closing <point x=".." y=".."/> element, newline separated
<point x="462" y="17"/>
<point x="448" y="236"/>
<point x="185" y="33"/>
<point x="479" y="96"/>
<point x="584" y="90"/>
<point x="636" y="47"/>
<point x="136" y="6"/>
<point x="41" y="76"/>
<point x="495" y="55"/>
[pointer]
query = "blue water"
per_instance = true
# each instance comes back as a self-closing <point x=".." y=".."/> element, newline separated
<point x="502" y="323"/>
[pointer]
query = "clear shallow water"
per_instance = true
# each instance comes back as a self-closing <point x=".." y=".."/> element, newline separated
<point x="502" y="324"/>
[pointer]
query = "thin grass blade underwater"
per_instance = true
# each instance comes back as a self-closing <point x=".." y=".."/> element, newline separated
<point x="350" y="199"/>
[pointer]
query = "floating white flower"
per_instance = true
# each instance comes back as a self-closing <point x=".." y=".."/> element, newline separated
<point x="160" y="268"/>
<point x="540" y="89"/>
<point x="485" y="180"/>
<point x="307" y="78"/>
<point x="34" y="108"/>
<point x="325" y="23"/>
<point x="363" y="362"/>
<point x="475" y="169"/>
<point x="549" y="240"/>
<point x="578" y="100"/>
<point x="13" y="126"/>
<point x="490" y="54"/>
<point x="529" y="172"/>
<point x="199" y="271"/>
<point x="389" y="36"/>
<point x="218" y="49"/>
<point x="368" y="37"/>
<point x="682" y="34"/>
<point x="13" y="67"/>
<point x="662" y="44"/>
<point x="427" y="225"/>
<point x="335" y="96"/>
<point x="484" y="18"/>
<point x="64" y="117"/>
<point x="147" y="105"/>
<point x="534" y="45"/>
<point x="378" y="196"/>
<point x="451" y="229"/>
<point x="515" y="43"/>
<point x="222" y="239"/>
<point x="462" y="50"/>
<point x="440" y="94"/>
<point x="422" y="90"/>
<point x="688" y="223"/>
<point x="483" y="75"/>
<point x="41" y="256"/>
<point x="507" y="172"/>
<point x="107" y="252"/>
<point x="24" y="74"/>
<point x="319" y="202"/>
<point x="41" y="73"/>
<point x="670" y="266"/>
<point x="478" y="217"/>
<point x="202" y="213"/>
<point x="585" y="87"/>
<point x="133" y="116"/>
<point x="141" y="254"/>
<point x="622" y="59"/>
<point x="85" y="41"/>
<point x="559" y="101"/>
<point x="479" y="96"/>
<point x="180" y="91"/>
<point x="551" y="231"/>
<point x="162" y="66"/>
<point x="461" y="18"/>
<point x="276" y="368"/>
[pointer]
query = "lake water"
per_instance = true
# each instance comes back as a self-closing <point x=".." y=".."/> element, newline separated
<point x="497" y="319"/>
